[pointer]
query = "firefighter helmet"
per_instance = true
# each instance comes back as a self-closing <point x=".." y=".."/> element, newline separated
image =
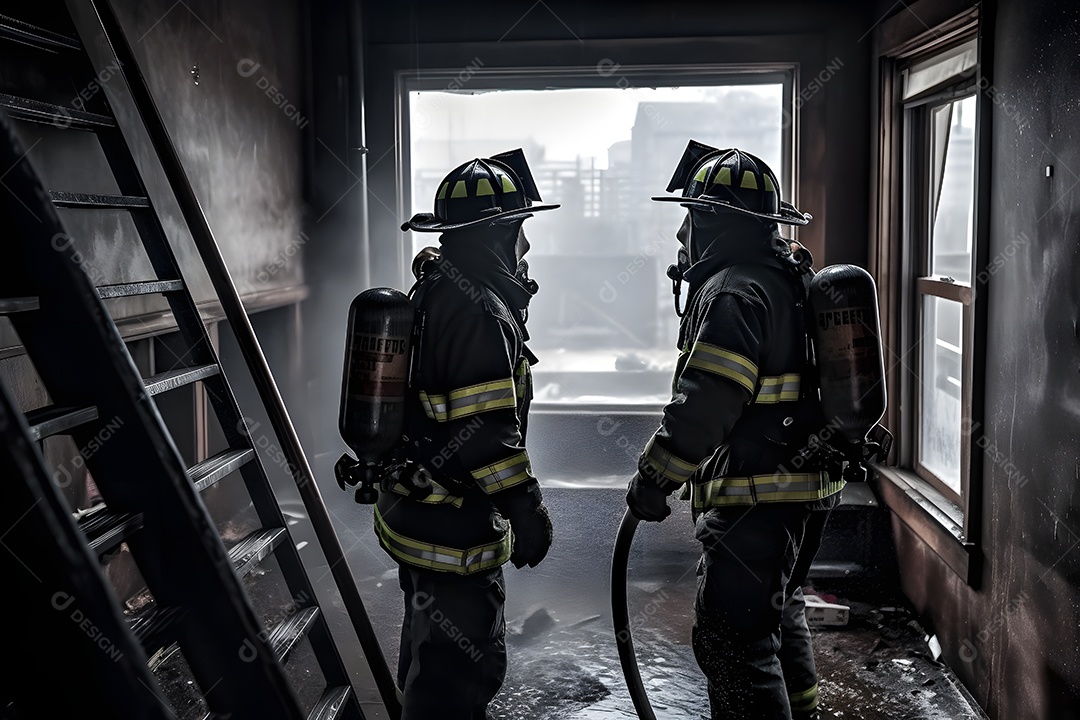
<point x="482" y="191"/>
<point x="730" y="180"/>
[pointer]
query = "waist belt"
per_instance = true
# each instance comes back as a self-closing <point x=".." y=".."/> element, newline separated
<point x="438" y="496"/>
<point x="437" y="557"/>
<point x="752" y="489"/>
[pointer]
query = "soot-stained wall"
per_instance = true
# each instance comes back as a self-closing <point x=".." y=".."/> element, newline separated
<point x="228" y="79"/>
<point x="1015" y="639"/>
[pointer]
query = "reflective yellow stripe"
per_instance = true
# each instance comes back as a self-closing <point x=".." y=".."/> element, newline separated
<point x="434" y="406"/>
<point x="481" y="398"/>
<point x="765" y="488"/>
<point x="439" y="495"/>
<point x="521" y="377"/>
<point x="672" y="467"/>
<point x="778" y="388"/>
<point x="470" y="400"/>
<point x="734" y="366"/>
<point x="438" y="557"/>
<point x="805" y="701"/>
<point x="501" y="475"/>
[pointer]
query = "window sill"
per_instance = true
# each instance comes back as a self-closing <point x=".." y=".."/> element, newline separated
<point x="934" y="519"/>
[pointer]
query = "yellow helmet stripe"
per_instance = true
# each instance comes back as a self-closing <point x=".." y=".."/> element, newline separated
<point x="459" y="190"/>
<point x="749" y="180"/>
<point x="483" y="187"/>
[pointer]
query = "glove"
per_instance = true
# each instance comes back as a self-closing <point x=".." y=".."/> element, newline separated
<point x="646" y="500"/>
<point x="524" y="507"/>
<point x="532" y="537"/>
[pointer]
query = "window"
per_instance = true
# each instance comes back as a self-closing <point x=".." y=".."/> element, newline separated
<point x="603" y="322"/>
<point x="940" y="115"/>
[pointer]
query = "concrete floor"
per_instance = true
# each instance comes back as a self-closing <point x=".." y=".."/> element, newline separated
<point x="563" y="663"/>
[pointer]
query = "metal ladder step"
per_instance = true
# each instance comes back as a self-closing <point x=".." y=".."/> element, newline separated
<point x="332" y="703"/>
<point x="105" y="530"/>
<point x="290" y="631"/>
<point x="250" y="551"/>
<point x="52" y="420"/>
<point x="155" y="629"/>
<point x="18" y="304"/>
<point x="172" y="379"/>
<point x="63" y="198"/>
<point x="27" y="34"/>
<point x="209" y="471"/>
<point x="148" y="287"/>
<point x="57" y="115"/>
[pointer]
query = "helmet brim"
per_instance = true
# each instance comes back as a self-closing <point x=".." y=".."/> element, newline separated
<point x="788" y="214"/>
<point x="427" y="222"/>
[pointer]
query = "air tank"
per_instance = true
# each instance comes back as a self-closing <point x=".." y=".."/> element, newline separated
<point x="377" y="351"/>
<point x="847" y="344"/>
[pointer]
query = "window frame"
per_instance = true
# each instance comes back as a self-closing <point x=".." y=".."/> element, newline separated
<point x="584" y="77"/>
<point x="920" y="284"/>
<point x="926" y="28"/>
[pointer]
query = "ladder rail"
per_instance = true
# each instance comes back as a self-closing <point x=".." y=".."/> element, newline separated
<point x="234" y="311"/>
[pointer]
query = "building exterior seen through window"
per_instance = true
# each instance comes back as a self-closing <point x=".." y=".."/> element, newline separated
<point x="603" y="322"/>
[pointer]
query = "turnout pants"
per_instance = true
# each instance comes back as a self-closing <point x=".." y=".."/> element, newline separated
<point x="750" y="635"/>
<point x="452" y="659"/>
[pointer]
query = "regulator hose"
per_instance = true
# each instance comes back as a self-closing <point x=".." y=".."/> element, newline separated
<point x="620" y="613"/>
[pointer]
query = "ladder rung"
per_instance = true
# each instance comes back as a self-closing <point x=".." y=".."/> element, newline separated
<point x="18" y="304"/>
<point x="62" y="198"/>
<point x="211" y="470"/>
<point x="52" y="420"/>
<point x="153" y="629"/>
<point x="105" y="530"/>
<point x="172" y="379"/>
<point x="62" y="117"/>
<point x="28" y="34"/>
<point x="290" y="631"/>
<point x="140" y="288"/>
<point x="250" y="551"/>
<point x="331" y="704"/>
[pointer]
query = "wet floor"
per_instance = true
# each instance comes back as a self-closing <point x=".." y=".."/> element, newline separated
<point x="563" y="662"/>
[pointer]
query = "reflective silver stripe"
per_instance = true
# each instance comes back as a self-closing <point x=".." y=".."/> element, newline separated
<point x="765" y="488"/>
<point x="673" y="468"/>
<point x="725" y="363"/>
<point x="438" y="557"/>
<point x="507" y="473"/>
<point x="779" y="388"/>
<point x="482" y="397"/>
<point x="434" y="405"/>
<point x="470" y="400"/>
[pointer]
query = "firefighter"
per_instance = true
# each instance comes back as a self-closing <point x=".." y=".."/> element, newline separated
<point x="476" y="504"/>
<point x="742" y="414"/>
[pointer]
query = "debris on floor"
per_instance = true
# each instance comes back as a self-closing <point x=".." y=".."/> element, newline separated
<point x="825" y="612"/>
<point x="877" y="664"/>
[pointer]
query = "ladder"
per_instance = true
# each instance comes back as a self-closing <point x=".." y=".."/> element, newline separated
<point x="200" y="621"/>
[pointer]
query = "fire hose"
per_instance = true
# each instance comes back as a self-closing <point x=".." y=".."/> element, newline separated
<point x="620" y="613"/>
